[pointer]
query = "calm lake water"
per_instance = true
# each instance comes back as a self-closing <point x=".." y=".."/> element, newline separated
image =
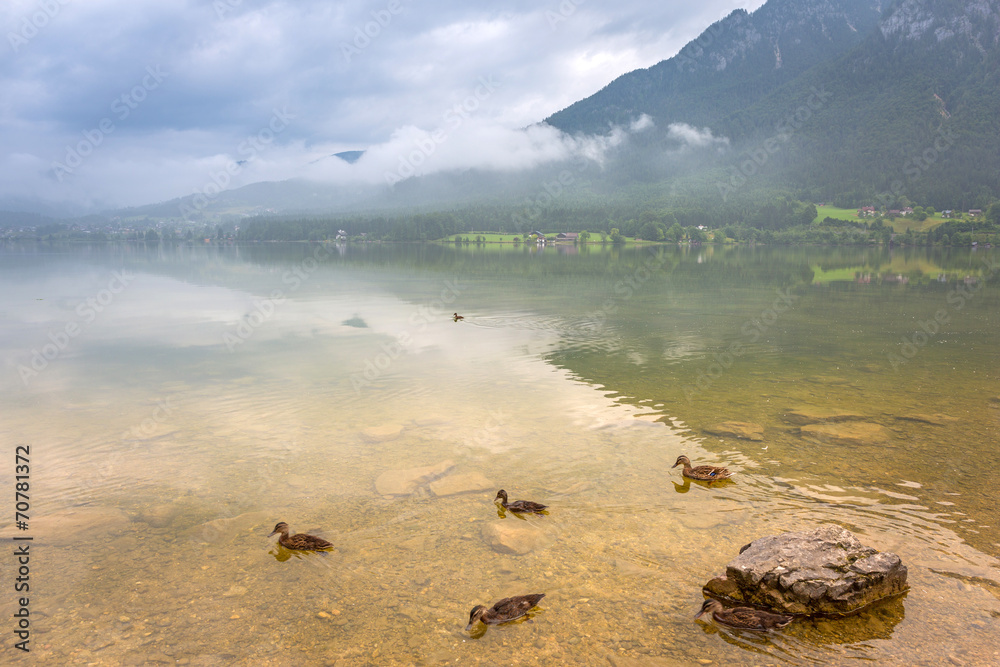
<point x="179" y="401"/>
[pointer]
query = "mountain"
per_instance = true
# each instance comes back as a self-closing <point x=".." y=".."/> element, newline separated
<point x="349" y="157"/>
<point x="734" y="63"/>
<point x="857" y="102"/>
<point x="913" y="111"/>
<point x="831" y="101"/>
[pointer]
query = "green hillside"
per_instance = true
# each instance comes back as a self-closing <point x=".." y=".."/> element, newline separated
<point x="903" y="106"/>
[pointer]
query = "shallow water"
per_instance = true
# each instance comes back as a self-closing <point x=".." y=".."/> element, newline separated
<point x="211" y="392"/>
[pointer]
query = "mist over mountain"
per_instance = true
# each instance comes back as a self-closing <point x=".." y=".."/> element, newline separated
<point x="858" y="102"/>
<point x="863" y="109"/>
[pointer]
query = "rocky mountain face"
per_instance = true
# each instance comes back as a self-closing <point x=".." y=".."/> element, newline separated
<point x="860" y="101"/>
<point x="913" y="20"/>
<point x="735" y="62"/>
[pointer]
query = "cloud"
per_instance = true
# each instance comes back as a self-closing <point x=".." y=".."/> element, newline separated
<point x="226" y="70"/>
<point x="689" y="136"/>
<point x="469" y="144"/>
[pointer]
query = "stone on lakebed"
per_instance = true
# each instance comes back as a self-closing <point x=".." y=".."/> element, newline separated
<point x="741" y="430"/>
<point x="78" y="524"/>
<point x="382" y="433"/>
<point x="813" y="415"/>
<point x="824" y="571"/>
<point x="460" y="482"/>
<point x="848" y="433"/>
<point x="406" y="482"/>
<point x="512" y="537"/>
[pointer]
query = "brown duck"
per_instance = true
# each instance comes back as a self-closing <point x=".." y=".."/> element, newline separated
<point x="703" y="473"/>
<point x="505" y="610"/>
<point x="519" y="505"/>
<point x="457" y="317"/>
<point x="744" y="618"/>
<point x="300" y="541"/>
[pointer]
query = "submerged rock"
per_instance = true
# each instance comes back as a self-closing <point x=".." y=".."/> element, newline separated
<point x="512" y="537"/>
<point x="406" y="482"/>
<point x="811" y="415"/>
<point x="742" y="430"/>
<point x="456" y="483"/>
<point x="935" y="419"/>
<point x="80" y="524"/>
<point x="224" y="529"/>
<point x="161" y="515"/>
<point x="382" y="433"/>
<point x="821" y="571"/>
<point x="852" y="433"/>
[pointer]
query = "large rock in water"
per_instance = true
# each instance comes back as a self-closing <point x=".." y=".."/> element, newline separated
<point x="821" y="571"/>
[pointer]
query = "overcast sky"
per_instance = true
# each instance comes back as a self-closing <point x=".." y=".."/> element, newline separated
<point x="115" y="102"/>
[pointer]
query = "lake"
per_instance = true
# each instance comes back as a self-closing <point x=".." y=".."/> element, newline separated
<point x="176" y="402"/>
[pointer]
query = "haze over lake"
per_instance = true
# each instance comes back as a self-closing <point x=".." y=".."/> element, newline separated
<point x="180" y="400"/>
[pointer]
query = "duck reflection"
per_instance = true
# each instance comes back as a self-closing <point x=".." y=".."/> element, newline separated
<point x="686" y="485"/>
<point x="281" y="554"/>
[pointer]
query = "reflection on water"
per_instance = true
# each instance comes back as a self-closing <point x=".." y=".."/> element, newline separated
<point x="225" y="389"/>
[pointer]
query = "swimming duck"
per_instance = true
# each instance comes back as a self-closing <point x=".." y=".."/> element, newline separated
<point x="300" y="541"/>
<point x="704" y="473"/>
<point x="457" y="317"/>
<point x="744" y="618"/>
<point x="519" y="505"/>
<point x="505" y="610"/>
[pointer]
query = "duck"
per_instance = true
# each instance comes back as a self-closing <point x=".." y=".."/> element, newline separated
<point x="519" y="505"/>
<point x="457" y="317"/>
<point x="744" y="618"/>
<point x="300" y="541"/>
<point x="505" y="610"/>
<point x="704" y="473"/>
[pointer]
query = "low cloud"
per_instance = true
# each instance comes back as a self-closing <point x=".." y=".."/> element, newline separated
<point x="690" y="136"/>
<point x="479" y="145"/>
<point x="157" y="109"/>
